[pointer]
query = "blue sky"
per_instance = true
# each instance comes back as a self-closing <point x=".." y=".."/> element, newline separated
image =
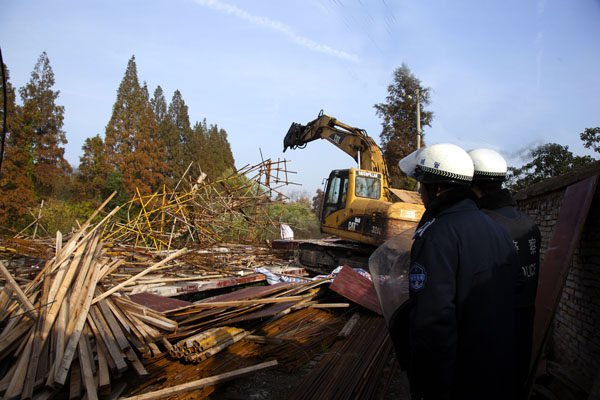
<point x="509" y="75"/>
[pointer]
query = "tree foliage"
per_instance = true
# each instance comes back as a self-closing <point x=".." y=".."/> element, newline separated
<point x="147" y="143"/>
<point x="591" y="138"/>
<point x="17" y="192"/>
<point x="90" y="181"/>
<point x="547" y="161"/>
<point x="317" y="200"/>
<point x="41" y="130"/>
<point x="299" y="216"/>
<point x="399" y="126"/>
<point x="132" y="141"/>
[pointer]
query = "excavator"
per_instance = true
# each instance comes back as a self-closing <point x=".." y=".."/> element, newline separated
<point x="359" y="207"/>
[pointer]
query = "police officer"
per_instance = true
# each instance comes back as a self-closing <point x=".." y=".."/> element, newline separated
<point x="460" y="309"/>
<point x="490" y="172"/>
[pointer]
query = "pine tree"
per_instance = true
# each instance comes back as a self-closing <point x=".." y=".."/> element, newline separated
<point x="220" y="152"/>
<point x="196" y="149"/>
<point x="42" y="122"/>
<point x="180" y="136"/>
<point x="132" y="139"/>
<point x="17" y="192"/>
<point x="90" y="181"/>
<point x="399" y="113"/>
<point x="165" y="128"/>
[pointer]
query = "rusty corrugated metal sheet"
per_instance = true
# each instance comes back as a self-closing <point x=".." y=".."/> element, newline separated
<point x="553" y="273"/>
<point x="158" y="303"/>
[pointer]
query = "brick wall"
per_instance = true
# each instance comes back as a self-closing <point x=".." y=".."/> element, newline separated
<point x="574" y="339"/>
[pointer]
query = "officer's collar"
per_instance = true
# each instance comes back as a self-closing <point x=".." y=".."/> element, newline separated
<point x="445" y="200"/>
<point x="496" y="199"/>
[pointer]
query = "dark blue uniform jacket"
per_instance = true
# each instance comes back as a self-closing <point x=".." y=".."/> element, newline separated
<point x="527" y="240"/>
<point x="461" y="306"/>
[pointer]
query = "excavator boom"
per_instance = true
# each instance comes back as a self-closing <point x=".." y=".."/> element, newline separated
<point x="353" y="141"/>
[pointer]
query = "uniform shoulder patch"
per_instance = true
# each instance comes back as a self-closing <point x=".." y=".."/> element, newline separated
<point x="417" y="277"/>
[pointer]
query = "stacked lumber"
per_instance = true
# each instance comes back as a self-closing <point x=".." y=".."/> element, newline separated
<point x="64" y="326"/>
<point x="205" y="344"/>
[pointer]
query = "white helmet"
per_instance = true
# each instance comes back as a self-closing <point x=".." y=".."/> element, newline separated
<point x="439" y="163"/>
<point x="489" y="165"/>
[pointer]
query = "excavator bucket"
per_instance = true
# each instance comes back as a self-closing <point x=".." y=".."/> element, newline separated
<point x="293" y="137"/>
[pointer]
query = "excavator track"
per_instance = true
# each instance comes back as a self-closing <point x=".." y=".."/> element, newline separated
<point x="321" y="256"/>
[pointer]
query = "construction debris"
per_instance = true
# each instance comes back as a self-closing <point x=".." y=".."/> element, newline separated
<point x="234" y="209"/>
<point x="86" y="315"/>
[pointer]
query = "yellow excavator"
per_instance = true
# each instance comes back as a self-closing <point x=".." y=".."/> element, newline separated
<point x="359" y="206"/>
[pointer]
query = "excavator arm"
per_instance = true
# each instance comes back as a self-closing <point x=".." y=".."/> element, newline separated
<point x="353" y="141"/>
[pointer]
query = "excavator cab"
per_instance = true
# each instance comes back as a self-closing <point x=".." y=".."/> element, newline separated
<point x="336" y="193"/>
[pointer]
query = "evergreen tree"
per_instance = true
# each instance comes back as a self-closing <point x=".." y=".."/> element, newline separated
<point x="90" y="181"/>
<point x="399" y="113"/>
<point x="165" y="127"/>
<point x="42" y="122"/>
<point x="180" y="136"/>
<point x="132" y="139"/>
<point x="196" y="149"/>
<point x="219" y="152"/>
<point x="17" y="192"/>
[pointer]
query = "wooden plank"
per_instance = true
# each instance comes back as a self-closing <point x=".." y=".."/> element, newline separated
<point x="198" y="384"/>
<point x="12" y="332"/>
<point x="25" y="303"/>
<point x="553" y="272"/>
<point x="114" y="326"/>
<point x="169" y="326"/>
<point x="35" y="354"/>
<point x="135" y="361"/>
<point x="144" y="272"/>
<point x="101" y="345"/>
<point x="110" y="268"/>
<point x="75" y="381"/>
<point x="5" y="296"/>
<point x="130" y="328"/>
<point x="87" y="373"/>
<point x="349" y="326"/>
<point x="44" y="354"/>
<point x="63" y="367"/>
<point x="103" y="374"/>
<point x="357" y="288"/>
<point x="111" y="344"/>
<point x="91" y="256"/>
<point x="150" y="334"/>
<point x="15" y="387"/>
<point x="59" y="291"/>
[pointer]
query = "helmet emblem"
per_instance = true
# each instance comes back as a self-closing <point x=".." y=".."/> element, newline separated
<point x="436" y="165"/>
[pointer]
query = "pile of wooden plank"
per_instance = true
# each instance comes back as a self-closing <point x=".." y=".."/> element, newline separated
<point x="64" y="327"/>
